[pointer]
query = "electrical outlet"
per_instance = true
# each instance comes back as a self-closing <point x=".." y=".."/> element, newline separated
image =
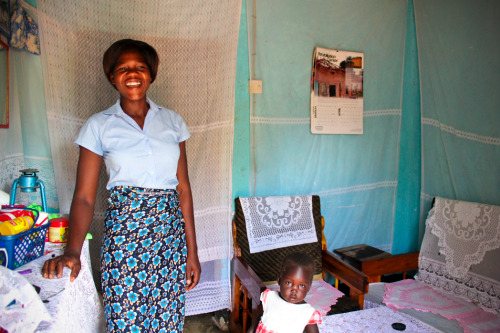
<point x="255" y="87"/>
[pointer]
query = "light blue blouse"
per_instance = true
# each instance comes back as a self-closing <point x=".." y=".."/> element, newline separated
<point x="133" y="156"/>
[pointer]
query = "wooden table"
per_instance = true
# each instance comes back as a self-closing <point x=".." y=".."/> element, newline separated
<point x="365" y="258"/>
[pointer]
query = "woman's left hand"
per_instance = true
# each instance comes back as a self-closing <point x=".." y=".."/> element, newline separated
<point x="193" y="271"/>
<point x="193" y="268"/>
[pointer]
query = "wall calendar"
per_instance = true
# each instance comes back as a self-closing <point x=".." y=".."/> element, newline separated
<point x="337" y="92"/>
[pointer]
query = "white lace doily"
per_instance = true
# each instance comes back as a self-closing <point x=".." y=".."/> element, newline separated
<point x="278" y="221"/>
<point x="480" y="290"/>
<point x="466" y="231"/>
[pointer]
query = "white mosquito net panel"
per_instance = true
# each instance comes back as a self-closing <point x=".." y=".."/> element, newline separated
<point x="196" y="42"/>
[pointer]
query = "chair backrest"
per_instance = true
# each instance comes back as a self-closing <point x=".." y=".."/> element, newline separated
<point x="266" y="264"/>
<point x="456" y="234"/>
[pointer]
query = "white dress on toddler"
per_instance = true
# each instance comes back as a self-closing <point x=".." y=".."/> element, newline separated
<point x="283" y="317"/>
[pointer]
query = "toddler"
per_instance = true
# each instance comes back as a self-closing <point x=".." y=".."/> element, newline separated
<point x="286" y="311"/>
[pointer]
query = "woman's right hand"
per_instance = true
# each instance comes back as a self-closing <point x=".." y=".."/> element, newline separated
<point x="54" y="267"/>
<point x="81" y="212"/>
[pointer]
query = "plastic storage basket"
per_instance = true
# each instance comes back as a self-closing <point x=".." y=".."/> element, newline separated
<point x="20" y="249"/>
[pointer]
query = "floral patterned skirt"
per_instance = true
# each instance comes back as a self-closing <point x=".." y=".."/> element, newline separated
<point x="143" y="261"/>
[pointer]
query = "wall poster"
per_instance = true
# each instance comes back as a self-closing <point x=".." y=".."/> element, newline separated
<point x="337" y="92"/>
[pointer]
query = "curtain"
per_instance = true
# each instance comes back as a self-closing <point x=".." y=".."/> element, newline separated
<point x="197" y="44"/>
<point x="356" y="176"/>
<point x="460" y="102"/>
<point x="25" y="144"/>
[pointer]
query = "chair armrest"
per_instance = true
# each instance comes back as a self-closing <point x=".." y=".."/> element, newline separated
<point x="248" y="278"/>
<point x="346" y="273"/>
<point x="394" y="264"/>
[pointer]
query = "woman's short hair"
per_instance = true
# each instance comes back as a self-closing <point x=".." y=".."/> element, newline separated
<point x="117" y="48"/>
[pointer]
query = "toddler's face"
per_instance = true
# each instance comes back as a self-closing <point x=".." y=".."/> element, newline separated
<point x="295" y="284"/>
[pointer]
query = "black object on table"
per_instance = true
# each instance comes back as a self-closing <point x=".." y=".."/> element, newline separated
<point x="399" y="326"/>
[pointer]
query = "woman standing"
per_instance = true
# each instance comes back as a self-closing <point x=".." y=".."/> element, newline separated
<point x="149" y="253"/>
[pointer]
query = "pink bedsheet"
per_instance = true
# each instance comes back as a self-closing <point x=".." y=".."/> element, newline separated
<point x="411" y="294"/>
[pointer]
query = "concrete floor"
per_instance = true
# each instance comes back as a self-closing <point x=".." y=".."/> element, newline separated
<point x="205" y="323"/>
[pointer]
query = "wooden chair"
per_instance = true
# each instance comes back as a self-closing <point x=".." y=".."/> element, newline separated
<point x="250" y="270"/>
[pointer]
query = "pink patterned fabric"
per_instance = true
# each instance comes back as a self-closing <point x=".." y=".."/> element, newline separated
<point x="321" y="296"/>
<point x="411" y="294"/>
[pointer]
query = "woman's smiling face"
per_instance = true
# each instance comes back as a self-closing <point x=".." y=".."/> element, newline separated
<point x="131" y="76"/>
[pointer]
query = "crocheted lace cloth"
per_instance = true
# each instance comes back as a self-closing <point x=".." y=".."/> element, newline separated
<point x="475" y="288"/>
<point x="467" y="235"/>
<point x="466" y="230"/>
<point x="278" y="221"/>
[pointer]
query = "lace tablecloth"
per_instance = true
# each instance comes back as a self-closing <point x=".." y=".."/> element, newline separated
<point x="375" y="320"/>
<point x="73" y="306"/>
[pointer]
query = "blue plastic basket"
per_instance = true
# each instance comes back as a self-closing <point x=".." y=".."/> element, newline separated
<point x="20" y="249"/>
